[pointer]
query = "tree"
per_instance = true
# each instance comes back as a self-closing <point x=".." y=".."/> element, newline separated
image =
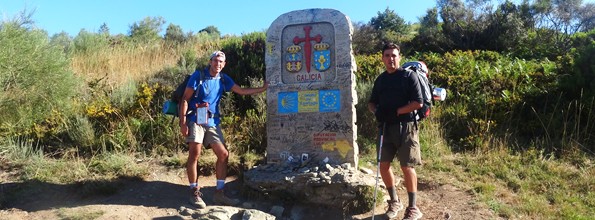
<point x="365" y="39"/>
<point x="103" y="29"/>
<point x="147" y="30"/>
<point x="506" y="28"/>
<point x="587" y="14"/>
<point x="558" y="20"/>
<point x="463" y="26"/>
<point x="174" y="33"/>
<point x="430" y="36"/>
<point x="211" y="31"/>
<point x="391" y="27"/>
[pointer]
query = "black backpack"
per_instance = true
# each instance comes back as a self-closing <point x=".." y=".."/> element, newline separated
<point x="170" y="107"/>
<point x="420" y="68"/>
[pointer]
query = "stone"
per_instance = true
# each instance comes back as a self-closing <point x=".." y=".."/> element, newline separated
<point x="366" y="170"/>
<point x="252" y="214"/>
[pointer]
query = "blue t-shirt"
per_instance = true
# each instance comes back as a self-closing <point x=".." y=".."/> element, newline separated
<point x="211" y="90"/>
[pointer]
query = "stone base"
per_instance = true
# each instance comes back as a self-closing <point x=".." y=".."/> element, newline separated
<point x="339" y="186"/>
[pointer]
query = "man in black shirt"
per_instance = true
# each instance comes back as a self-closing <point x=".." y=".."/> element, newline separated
<point x="395" y="97"/>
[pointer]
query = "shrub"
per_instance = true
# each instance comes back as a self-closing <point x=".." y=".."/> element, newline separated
<point x="35" y="79"/>
<point x="368" y="67"/>
<point x="489" y="93"/>
<point x="367" y="127"/>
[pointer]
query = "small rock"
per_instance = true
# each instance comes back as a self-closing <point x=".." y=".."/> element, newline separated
<point x="304" y="170"/>
<point x="366" y="170"/>
<point x="329" y="167"/>
<point x="346" y="166"/>
<point x="185" y="211"/>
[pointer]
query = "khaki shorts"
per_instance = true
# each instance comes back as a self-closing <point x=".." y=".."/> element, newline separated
<point x="204" y="134"/>
<point x="401" y="141"/>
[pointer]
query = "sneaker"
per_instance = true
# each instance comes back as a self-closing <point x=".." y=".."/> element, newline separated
<point x="412" y="213"/>
<point x="221" y="199"/>
<point x="394" y="206"/>
<point x="196" y="199"/>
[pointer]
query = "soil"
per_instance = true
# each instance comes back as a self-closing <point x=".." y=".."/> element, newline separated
<point x="161" y="195"/>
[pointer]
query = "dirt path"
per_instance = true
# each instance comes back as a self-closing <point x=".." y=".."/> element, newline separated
<point x="164" y="191"/>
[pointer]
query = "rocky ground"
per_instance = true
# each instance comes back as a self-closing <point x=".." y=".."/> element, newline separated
<point x="164" y="195"/>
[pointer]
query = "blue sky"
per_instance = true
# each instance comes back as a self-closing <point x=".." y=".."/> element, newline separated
<point x="230" y="17"/>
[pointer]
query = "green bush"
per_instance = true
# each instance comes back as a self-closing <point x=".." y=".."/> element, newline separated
<point x="246" y="134"/>
<point x="245" y="57"/>
<point x="367" y="127"/>
<point x="87" y="42"/>
<point x="489" y="93"/>
<point x="35" y="79"/>
<point x="368" y="67"/>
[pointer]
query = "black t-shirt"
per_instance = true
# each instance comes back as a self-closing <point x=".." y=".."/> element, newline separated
<point x="392" y="91"/>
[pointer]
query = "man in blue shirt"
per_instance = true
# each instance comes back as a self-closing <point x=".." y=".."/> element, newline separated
<point x="204" y="90"/>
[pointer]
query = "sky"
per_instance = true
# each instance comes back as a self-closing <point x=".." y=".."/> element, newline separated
<point x="233" y="17"/>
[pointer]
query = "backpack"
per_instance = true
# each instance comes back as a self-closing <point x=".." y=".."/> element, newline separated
<point x="420" y="68"/>
<point x="170" y="107"/>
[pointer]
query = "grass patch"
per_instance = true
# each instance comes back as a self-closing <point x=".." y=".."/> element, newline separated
<point x="364" y="201"/>
<point x="65" y="214"/>
<point x="528" y="184"/>
<point x="35" y="166"/>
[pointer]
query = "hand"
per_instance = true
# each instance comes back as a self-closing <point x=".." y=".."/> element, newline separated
<point x="184" y="129"/>
<point x="265" y="86"/>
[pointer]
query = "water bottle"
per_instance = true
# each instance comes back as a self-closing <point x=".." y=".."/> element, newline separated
<point x="439" y="94"/>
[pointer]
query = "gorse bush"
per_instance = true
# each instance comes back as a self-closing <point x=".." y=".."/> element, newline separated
<point x="368" y="67"/>
<point x="35" y="81"/>
<point x="494" y="94"/>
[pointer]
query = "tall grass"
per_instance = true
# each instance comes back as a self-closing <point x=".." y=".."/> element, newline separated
<point x="568" y="128"/>
<point x="119" y="64"/>
<point x="119" y="60"/>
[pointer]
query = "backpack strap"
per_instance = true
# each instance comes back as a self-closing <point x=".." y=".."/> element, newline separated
<point x="201" y="77"/>
<point x="222" y="80"/>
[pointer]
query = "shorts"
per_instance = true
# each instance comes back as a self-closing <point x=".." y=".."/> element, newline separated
<point x="205" y="135"/>
<point x="401" y="141"/>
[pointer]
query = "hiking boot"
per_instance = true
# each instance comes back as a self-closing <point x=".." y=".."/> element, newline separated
<point x="412" y="213"/>
<point x="394" y="206"/>
<point x="196" y="199"/>
<point x="221" y="199"/>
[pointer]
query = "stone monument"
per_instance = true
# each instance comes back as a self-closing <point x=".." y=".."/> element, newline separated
<point x="312" y="155"/>
<point x="311" y="98"/>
